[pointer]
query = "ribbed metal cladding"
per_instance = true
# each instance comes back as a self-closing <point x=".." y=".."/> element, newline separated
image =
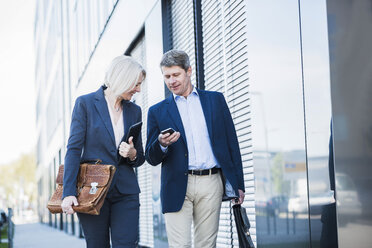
<point x="183" y="32"/>
<point x="226" y="71"/>
<point x="144" y="172"/>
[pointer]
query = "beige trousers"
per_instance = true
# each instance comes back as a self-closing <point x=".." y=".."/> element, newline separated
<point x="202" y="206"/>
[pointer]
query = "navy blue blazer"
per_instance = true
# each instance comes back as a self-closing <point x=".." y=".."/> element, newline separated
<point x="92" y="137"/>
<point x="174" y="172"/>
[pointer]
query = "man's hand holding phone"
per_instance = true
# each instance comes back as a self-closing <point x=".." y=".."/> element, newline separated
<point x="168" y="136"/>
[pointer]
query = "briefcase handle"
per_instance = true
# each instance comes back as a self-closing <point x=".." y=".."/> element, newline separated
<point x="91" y="161"/>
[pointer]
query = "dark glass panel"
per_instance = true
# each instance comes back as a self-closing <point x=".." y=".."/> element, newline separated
<point x="350" y="43"/>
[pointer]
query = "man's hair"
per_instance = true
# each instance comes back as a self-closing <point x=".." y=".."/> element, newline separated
<point x="175" y="58"/>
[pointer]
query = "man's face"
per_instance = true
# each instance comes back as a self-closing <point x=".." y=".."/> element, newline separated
<point x="177" y="80"/>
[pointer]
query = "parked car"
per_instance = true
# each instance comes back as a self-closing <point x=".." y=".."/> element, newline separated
<point x="3" y="218"/>
<point x="300" y="204"/>
<point x="349" y="206"/>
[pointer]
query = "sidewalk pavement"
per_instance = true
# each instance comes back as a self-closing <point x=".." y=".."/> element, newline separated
<point x="37" y="235"/>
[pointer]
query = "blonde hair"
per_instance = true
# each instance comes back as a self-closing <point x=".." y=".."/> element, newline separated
<point x="122" y="74"/>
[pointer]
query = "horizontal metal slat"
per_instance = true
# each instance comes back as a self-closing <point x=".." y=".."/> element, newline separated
<point x="234" y="101"/>
<point x="211" y="28"/>
<point x="213" y="39"/>
<point x="238" y="95"/>
<point x="239" y="100"/>
<point x="213" y="56"/>
<point x="209" y="5"/>
<point x="249" y="168"/>
<point x="240" y="104"/>
<point x="184" y="43"/>
<point x="244" y="128"/>
<point x="240" y="77"/>
<point x="217" y="83"/>
<point x="236" y="65"/>
<point x="238" y="82"/>
<point x="242" y="118"/>
<point x="218" y="88"/>
<point x="235" y="31"/>
<point x="235" y="20"/>
<point x="214" y="71"/>
<point x="245" y="144"/>
<point x="231" y="6"/>
<point x="214" y="79"/>
<point x="245" y="150"/>
<point x="242" y="88"/>
<point x="239" y="50"/>
<point x="211" y="17"/>
<point x="187" y="24"/>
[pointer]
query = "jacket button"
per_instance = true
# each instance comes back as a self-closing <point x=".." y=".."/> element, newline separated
<point x="185" y="154"/>
<point x="185" y="174"/>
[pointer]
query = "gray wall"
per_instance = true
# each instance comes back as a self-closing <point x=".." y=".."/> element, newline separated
<point x="350" y="42"/>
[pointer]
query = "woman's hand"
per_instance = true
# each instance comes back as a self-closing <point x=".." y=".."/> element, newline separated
<point x="67" y="203"/>
<point x="127" y="150"/>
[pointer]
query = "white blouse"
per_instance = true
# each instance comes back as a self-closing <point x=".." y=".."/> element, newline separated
<point x="117" y="127"/>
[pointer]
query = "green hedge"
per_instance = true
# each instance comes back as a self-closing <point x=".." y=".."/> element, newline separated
<point x="4" y="236"/>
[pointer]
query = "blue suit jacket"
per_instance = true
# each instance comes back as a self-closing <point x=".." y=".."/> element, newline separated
<point x="92" y="137"/>
<point x="174" y="172"/>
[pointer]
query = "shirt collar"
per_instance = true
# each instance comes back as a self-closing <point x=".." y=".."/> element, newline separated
<point x="193" y="92"/>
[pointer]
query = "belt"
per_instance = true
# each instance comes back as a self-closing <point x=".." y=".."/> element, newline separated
<point x="214" y="170"/>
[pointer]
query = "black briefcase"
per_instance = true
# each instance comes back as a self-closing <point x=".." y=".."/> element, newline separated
<point x="242" y="226"/>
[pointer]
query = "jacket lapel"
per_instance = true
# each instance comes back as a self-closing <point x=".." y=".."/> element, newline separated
<point x="207" y="110"/>
<point x="102" y="109"/>
<point x="175" y="116"/>
<point x="127" y="116"/>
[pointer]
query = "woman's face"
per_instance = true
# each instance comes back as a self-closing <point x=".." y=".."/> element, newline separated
<point x="136" y="88"/>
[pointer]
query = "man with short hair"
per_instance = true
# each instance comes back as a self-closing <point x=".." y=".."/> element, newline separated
<point x="200" y="156"/>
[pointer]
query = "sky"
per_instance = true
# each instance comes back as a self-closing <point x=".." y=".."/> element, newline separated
<point x="17" y="83"/>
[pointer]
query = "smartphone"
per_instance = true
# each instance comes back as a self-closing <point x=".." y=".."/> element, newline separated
<point x="134" y="131"/>
<point x="168" y="130"/>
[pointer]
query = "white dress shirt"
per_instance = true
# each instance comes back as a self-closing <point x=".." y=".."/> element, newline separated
<point x="201" y="156"/>
<point x="118" y="127"/>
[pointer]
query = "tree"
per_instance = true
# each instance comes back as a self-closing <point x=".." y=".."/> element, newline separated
<point x="18" y="179"/>
<point x="277" y="175"/>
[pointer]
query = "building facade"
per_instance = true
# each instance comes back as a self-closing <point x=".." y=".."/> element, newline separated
<point x="285" y="70"/>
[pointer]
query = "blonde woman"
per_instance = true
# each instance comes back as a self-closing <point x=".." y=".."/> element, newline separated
<point x="99" y="123"/>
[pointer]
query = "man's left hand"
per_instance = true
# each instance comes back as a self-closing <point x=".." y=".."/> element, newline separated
<point x="241" y="197"/>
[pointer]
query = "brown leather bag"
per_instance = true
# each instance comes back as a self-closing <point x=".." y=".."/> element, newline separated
<point x="93" y="183"/>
